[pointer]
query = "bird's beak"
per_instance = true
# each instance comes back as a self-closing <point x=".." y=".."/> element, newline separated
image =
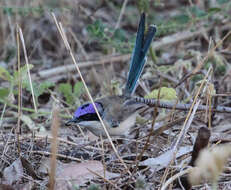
<point x="73" y="120"/>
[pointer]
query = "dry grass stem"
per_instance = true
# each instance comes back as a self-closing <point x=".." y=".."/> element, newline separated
<point x="18" y="129"/>
<point x="121" y="14"/>
<point x="61" y="31"/>
<point x="54" y="147"/>
<point x="187" y="123"/>
<point x="27" y="65"/>
<point x="174" y="177"/>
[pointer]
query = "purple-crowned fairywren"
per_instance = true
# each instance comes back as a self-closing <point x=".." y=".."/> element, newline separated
<point x="119" y="112"/>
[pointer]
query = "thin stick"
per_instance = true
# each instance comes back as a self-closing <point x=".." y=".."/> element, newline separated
<point x="79" y="44"/>
<point x="1" y="118"/>
<point x="105" y="179"/>
<point x="27" y="66"/>
<point x="170" y="180"/>
<point x="19" y="91"/>
<point x="54" y="144"/>
<point x="191" y="113"/>
<point x="61" y="31"/>
<point x="224" y="95"/>
<point x="83" y="64"/>
<point x="199" y="66"/>
<point x="165" y="41"/>
<point x="121" y="14"/>
<point x="57" y="155"/>
<point x="186" y="124"/>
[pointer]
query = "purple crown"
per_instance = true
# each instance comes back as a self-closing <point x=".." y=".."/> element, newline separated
<point x="88" y="109"/>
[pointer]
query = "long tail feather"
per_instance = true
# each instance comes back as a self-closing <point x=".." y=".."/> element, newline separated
<point x="148" y="39"/>
<point x="139" y="42"/>
<point x="139" y="58"/>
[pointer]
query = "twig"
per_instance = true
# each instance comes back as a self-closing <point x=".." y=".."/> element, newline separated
<point x="57" y="155"/>
<point x="170" y="180"/>
<point x="177" y="37"/>
<point x="60" y="140"/>
<point x="1" y="119"/>
<point x="2" y="115"/>
<point x="54" y="144"/>
<point x="167" y="126"/>
<point x="27" y="66"/>
<point x="22" y="108"/>
<point x="18" y="129"/>
<point x="199" y="66"/>
<point x="222" y="95"/>
<point x="165" y="41"/>
<point x="189" y="75"/>
<point x="191" y="114"/>
<point x="106" y="180"/>
<point x="61" y="31"/>
<point x="79" y="44"/>
<point x="187" y="123"/>
<point x="70" y="68"/>
<point x="121" y="14"/>
<point x="147" y="143"/>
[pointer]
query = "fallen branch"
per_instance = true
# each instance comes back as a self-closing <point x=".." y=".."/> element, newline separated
<point x="165" y="41"/>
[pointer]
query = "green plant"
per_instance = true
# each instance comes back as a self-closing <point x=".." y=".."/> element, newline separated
<point x="93" y="187"/>
<point x="39" y="88"/>
<point x="70" y="95"/>
<point x="107" y="36"/>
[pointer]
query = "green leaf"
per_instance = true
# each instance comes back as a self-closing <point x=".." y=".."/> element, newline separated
<point x="78" y="89"/>
<point x="66" y="90"/>
<point x="182" y="19"/>
<point x="4" y="92"/>
<point x="44" y="86"/>
<point x="26" y="85"/>
<point x="119" y="35"/>
<point x="214" y="10"/>
<point x="8" y="10"/>
<point x="4" y="74"/>
<point x="23" y="73"/>
<point x="165" y="94"/>
<point x="197" y="12"/>
<point x="97" y="29"/>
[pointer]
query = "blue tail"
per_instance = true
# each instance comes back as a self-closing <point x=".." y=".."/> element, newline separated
<point x="139" y="53"/>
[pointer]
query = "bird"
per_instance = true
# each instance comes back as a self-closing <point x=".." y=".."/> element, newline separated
<point x="119" y="112"/>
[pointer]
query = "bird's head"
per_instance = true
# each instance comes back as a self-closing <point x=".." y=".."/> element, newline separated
<point x="86" y="113"/>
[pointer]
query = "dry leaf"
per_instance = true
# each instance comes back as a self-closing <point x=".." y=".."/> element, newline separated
<point x="79" y="173"/>
<point x="163" y="160"/>
<point x="14" y="172"/>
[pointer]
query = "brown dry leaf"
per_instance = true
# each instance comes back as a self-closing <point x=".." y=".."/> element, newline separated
<point x="79" y="173"/>
<point x="13" y="173"/>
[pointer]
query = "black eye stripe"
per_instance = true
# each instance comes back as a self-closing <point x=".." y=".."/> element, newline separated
<point x="89" y="117"/>
<point x="84" y="106"/>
